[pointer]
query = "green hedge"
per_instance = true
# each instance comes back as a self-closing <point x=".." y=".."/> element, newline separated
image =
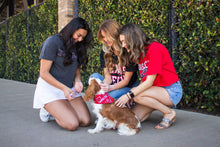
<point x="2" y="49"/>
<point x="151" y="15"/>
<point x="43" y="22"/>
<point x="197" y="48"/>
<point x="196" y="52"/>
<point x="16" y="51"/>
<point x="26" y="33"/>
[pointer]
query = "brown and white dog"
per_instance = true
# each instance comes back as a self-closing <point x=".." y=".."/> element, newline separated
<point x="109" y="115"/>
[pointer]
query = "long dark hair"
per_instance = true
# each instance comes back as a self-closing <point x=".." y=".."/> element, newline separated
<point x="80" y="47"/>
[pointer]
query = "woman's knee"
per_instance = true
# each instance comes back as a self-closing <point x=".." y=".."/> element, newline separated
<point x="138" y="99"/>
<point x="113" y="94"/>
<point x="85" y="122"/>
<point x="71" y="125"/>
<point x="143" y="100"/>
<point x="116" y="94"/>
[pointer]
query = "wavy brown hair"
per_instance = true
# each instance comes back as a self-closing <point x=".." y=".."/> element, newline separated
<point x="111" y="28"/>
<point x="136" y="40"/>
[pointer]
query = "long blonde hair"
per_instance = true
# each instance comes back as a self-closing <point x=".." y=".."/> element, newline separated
<point x="111" y="28"/>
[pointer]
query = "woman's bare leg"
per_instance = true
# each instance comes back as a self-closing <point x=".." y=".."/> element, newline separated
<point x="156" y="98"/>
<point x="82" y="111"/>
<point x="142" y="112"/>
<point x="64" y="114"/>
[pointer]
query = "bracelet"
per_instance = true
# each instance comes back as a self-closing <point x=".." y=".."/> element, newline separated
<point x="128" y="96"/>
<point x="131" y="94"/>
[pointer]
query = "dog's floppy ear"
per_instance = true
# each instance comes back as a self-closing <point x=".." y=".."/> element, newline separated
<point x="91" y="91"/>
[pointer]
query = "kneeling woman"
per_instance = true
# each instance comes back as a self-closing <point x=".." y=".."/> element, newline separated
<point x="160" y="88"/>
<point x="59" y="85"/>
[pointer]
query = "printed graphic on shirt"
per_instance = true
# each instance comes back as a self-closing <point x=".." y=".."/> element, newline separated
<point x="62" y="54"/>
<point x="143" y="69"/>
<point x="116" y="75"/>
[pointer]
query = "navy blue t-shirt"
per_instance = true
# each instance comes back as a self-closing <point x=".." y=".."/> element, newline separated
<point x="52" y="49"/>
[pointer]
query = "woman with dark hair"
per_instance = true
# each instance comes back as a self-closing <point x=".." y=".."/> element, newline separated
<point x="59" y="86"/>
<point x="160" y="87"/>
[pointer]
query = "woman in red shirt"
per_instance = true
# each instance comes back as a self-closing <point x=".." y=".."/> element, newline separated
<point x="160" y="87"/>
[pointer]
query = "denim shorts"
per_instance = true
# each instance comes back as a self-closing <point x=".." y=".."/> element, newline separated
<point x="116" y="94"/>
<point x="175" y="92"/>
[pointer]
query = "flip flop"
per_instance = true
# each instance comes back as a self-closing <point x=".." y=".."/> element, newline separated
<point x="165" y="123"/>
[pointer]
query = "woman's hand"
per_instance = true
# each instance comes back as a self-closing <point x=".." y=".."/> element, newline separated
<point x="106" y="87"/>
<point x="122" y="101"/>
<point x="78" y="87"/>
<point x="129" y="103"/>
<point x="69" y="94"/>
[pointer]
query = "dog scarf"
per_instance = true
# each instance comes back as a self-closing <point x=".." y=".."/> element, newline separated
<point x="103" y="99"/>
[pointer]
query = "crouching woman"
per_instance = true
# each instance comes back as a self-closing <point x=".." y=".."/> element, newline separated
<point x="160" y="88"/>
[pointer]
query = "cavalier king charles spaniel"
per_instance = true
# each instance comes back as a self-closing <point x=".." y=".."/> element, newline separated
<point x="109" y="115"/>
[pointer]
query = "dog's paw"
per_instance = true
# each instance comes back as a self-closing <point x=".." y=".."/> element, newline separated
<point x="93" y="131"/>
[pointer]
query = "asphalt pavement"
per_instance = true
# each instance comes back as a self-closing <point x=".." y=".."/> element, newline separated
<point x="20" y="126"/>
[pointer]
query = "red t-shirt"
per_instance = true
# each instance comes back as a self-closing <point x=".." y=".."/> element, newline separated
<point x="157" y="60"/>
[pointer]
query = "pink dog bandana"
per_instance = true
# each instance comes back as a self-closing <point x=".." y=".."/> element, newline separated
<point x="103" y="99"/>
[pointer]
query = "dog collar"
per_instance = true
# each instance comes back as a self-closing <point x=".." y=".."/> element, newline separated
<point x="103" y="99"/>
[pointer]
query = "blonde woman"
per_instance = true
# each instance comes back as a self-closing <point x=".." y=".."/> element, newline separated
<point x="160" y="88"/>
<point x="117" y="80"/>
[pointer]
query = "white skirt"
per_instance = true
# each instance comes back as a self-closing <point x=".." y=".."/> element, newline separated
<point x="46" y="93"/>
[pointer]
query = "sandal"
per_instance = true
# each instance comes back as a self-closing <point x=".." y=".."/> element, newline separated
<point x="165" y="123"/>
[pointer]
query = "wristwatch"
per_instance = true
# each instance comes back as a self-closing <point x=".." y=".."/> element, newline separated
<point x="131" y="94"/>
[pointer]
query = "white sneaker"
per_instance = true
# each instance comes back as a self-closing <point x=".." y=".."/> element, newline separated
<point x="45" y="116"/>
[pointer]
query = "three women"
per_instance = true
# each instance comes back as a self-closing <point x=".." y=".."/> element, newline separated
<point x="59" y="85"/>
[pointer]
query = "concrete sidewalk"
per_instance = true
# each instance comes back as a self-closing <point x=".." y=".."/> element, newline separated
<point x="21" y="127"/>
